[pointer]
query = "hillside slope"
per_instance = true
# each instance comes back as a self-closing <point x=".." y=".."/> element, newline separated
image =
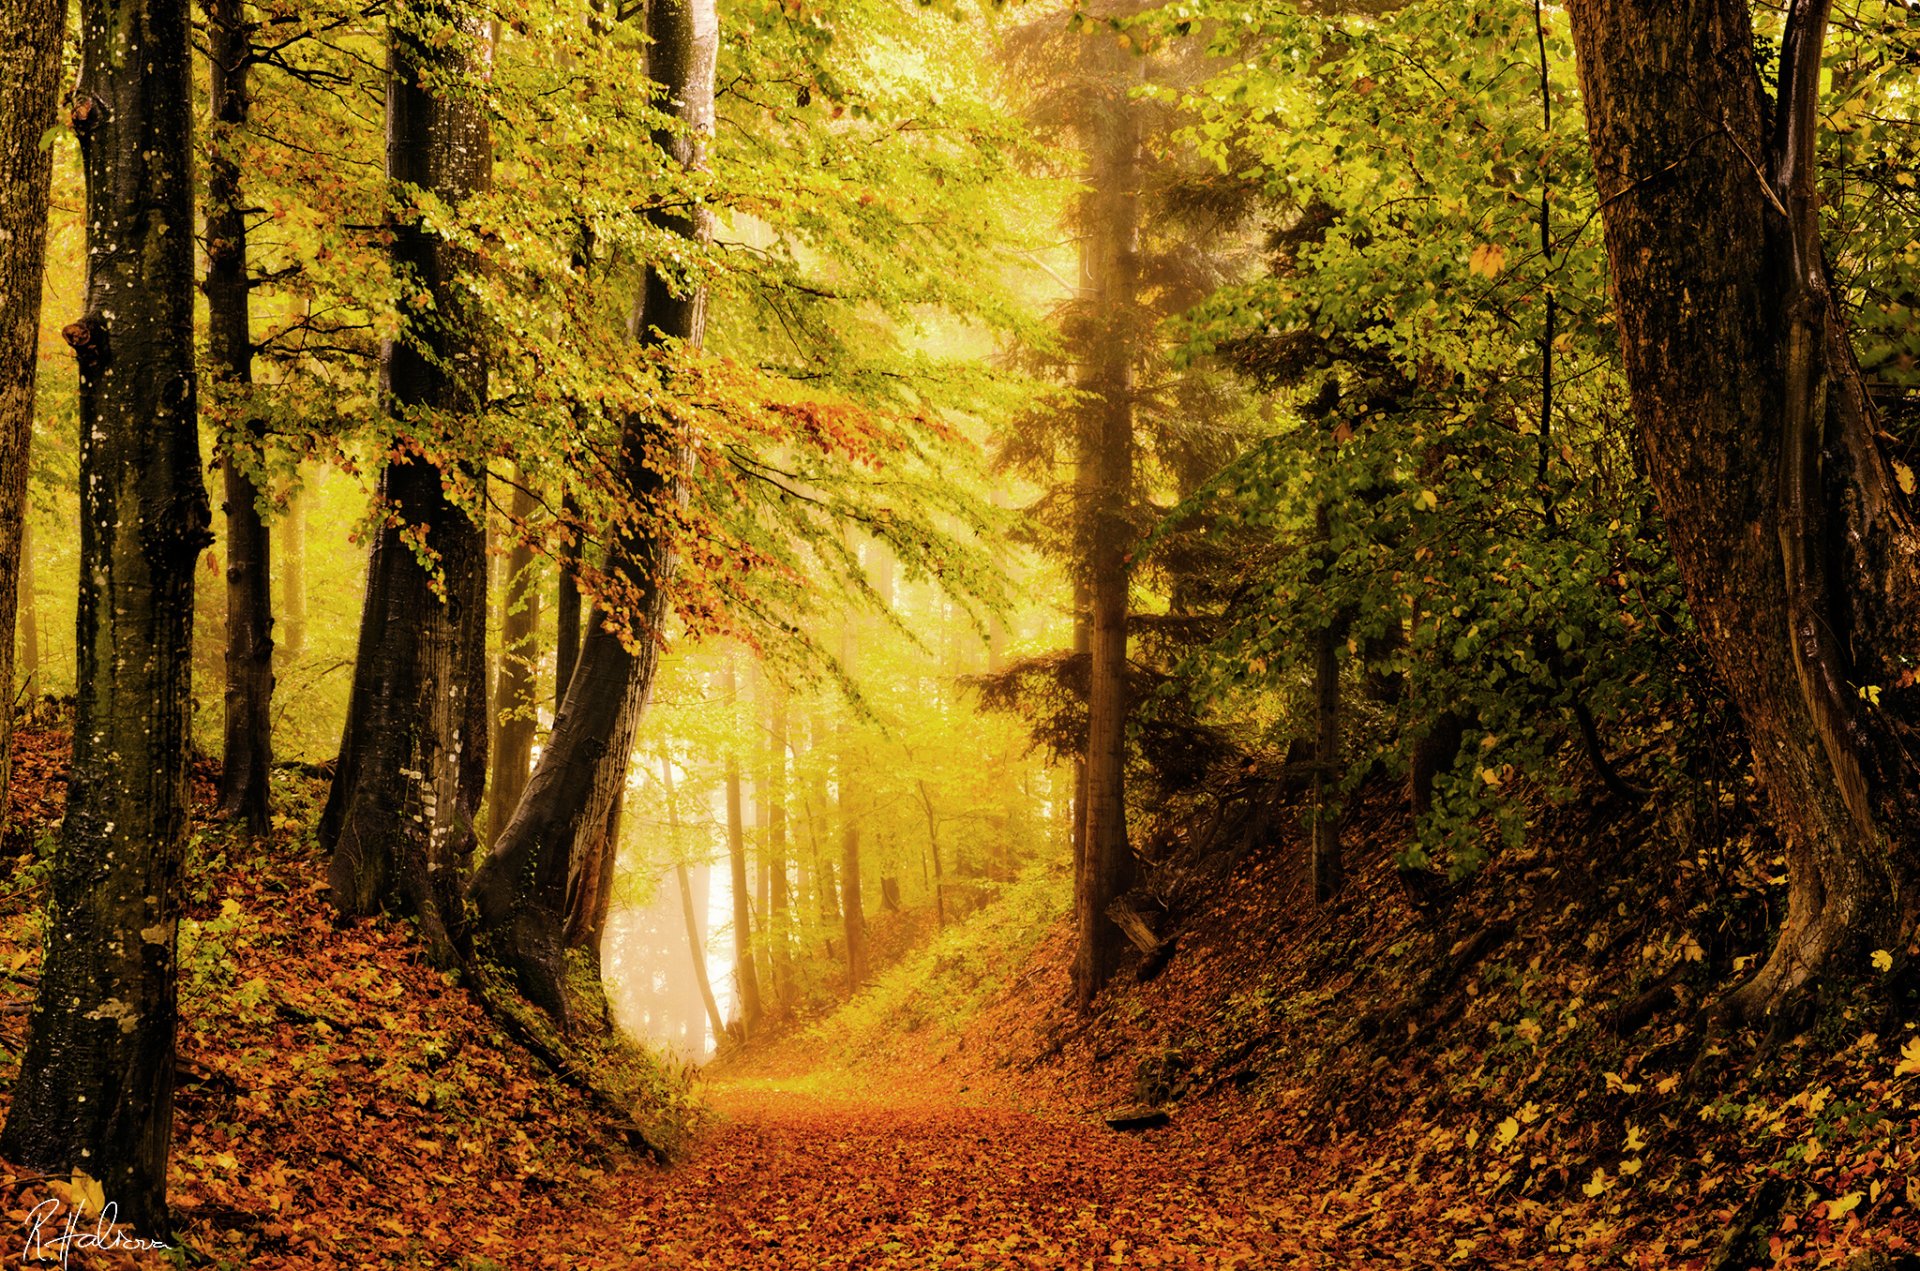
<point x="340" y="1102"/>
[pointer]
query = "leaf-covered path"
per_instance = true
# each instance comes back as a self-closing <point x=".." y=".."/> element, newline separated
<point x="784" y="1179"/>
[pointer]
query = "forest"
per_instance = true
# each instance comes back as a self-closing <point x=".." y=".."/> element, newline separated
<point x="960" y="634"/>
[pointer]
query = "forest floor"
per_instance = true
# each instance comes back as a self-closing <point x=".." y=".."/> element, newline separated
<point x="1519" y="1077"/>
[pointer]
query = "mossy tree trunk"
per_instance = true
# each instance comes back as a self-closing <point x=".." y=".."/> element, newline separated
<point x="1796" y="548"/>
<point x="29" y="88"/>
<point x="95" y="1088"/>
<point x="400" y="815"/>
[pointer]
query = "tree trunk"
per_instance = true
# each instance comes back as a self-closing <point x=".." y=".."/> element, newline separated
<point x="566" y="616"/>
<point x="248" y="754"/>
<point x="696" y="935"/>
<point x="29" y="87"/>
<point x="592" y="895"/>
<point x="745" y="977"/>
<point x="293" y="575"/>
<point x="95" y="1088"/>
<point x="933" y="849"/>
<point x="1109" y="274"/>
<point x="852" y="913"/>
<point x="1326" y="870"/>
<point x="514" y="687"/>
<point x="29" y="670"/>
<point x="521" y="889"/>
<point x="779" y="907"/>
<point x="400" y="815"/>
<point x="699" y="943"/>
<point x="1798" y="554"/>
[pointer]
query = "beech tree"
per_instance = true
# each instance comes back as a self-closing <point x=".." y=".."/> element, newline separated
<point x="1796" y="546"/>
<point x="29" y="87"/>
<point x="248" y="753"/>
<point x="555" y="840"/>
<point x="1109" y="280"/>
<point x="95" y="1089"/>
<point x="412" y="763"/>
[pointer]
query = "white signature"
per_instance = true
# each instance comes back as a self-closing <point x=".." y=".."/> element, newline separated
<point x="43" y="1246"/>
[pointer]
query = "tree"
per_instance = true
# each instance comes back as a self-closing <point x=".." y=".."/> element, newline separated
<point x="1795" y="545"/>
<point x="1109" y="279"/>
<point x="29" y="87"/>
<point x="95" y="1089"/>
<point x="746" y="977"/>
<point x="779" y="933"/>
<point x="513" y="697"/>
<point x="247" y="757"/>
<point x="555" y="837"/>
<point x="413" y="756"/>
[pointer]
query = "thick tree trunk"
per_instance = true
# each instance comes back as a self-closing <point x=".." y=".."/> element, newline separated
<point x="29" y="87"/>
<point x="400" y="815"/>
<point x="514" y="687"/>
<point x="95" y="1088"/>
<point x="1798" y="554"/>
<point x="1109" y="273"/>
<point x="521" y="891"/>
<point x="592" y="896"/>
<point x="248" y="755"/>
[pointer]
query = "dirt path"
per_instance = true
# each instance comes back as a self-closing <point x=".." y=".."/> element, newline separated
<point x="791" y="1180"/>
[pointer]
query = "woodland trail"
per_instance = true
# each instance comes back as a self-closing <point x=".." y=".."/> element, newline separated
<point x="786" y="1179"/>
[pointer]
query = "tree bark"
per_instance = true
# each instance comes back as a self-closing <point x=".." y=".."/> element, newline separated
<point x="247" y="757"/>
<point x="566" y="616"/>
<point x="29" y="88"/>
<point x="400" y="815"/>
<point x="95" y="1088"/>
<point x="514" y="686"/>
<point x="1798" y="554"/>
<point x="521" y="889"/>
<point x="1109" y="275"/>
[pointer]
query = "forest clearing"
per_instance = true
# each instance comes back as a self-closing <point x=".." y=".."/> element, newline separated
<point x="917" y="633"/>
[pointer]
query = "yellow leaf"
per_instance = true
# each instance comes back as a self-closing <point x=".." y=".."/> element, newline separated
<point x="1488" y="259"/>
<point x="1904" y="475"/>
<point x="1909" y="1058"/>
<point x="1506" y="1132"/>
<point x="1427" y="499"/>
<point x="87" y="1193"/>
<point x="1597" y="1184"/>
<point x="1837" y="1209"/>
<point x="1882" y="960"/>
<point x="1635" y="1139"/>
